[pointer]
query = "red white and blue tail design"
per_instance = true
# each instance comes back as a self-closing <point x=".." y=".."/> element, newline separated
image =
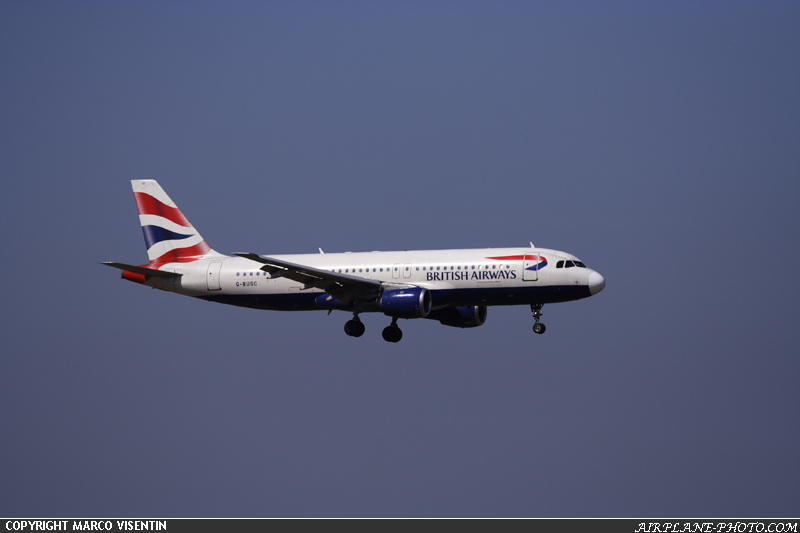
<point x="169" y="236"/>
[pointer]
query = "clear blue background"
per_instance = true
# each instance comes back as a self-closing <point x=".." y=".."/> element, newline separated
<point x="657" y="141"/>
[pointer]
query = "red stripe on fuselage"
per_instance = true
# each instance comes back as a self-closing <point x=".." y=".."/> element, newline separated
<point x="148" y="205"/>
<point x="517" y="257"/>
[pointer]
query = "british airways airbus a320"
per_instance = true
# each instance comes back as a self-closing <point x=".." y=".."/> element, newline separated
<point x="454" y="287"/>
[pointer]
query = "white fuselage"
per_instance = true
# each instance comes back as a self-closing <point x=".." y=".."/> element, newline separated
<point x="486" y="276"/>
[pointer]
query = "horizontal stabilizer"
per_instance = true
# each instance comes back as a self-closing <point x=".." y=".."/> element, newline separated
<point x="142" y="270"/>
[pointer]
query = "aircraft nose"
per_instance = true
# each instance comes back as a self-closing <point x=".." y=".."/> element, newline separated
<point x="596" y="283"/>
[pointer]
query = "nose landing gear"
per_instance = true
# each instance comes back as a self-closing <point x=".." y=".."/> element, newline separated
<point x="392" y="333"/>
<point x="538" y="327"/>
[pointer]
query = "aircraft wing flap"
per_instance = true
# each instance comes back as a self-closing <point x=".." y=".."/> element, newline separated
<point x="318" y="284"/>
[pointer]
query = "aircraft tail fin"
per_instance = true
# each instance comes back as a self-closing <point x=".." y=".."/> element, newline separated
<point x="168" y="234"/>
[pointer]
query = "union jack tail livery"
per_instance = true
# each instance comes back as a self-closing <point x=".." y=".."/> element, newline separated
<point x="169" y="236"/>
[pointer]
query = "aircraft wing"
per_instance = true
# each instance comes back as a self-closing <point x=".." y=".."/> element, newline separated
<point x="340" y="286"/>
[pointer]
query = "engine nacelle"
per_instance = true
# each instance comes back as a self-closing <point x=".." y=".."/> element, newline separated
<point x="406" y="303"/>
<point x="461" y="317"/>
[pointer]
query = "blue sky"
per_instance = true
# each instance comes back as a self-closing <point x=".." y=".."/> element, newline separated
<point x="657" y="141"/>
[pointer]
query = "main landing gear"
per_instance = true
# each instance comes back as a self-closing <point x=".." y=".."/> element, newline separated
<point x="392" y="333"/>
<point x="538" y="327"/>
<point x="354" y="328"/>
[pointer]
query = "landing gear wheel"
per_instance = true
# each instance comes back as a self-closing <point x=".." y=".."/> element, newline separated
<point x="392" y="334"/>
<point x="538" y="327"/>
<point x="354" y="328"/>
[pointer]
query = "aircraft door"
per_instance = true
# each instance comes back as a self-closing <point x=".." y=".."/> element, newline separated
<point x="396" y="270"/>
<point x="212" y="276"/>
<point x="530" y="267"/>
<point x="406" y="271"/>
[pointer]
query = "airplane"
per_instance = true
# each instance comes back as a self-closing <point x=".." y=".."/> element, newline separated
<point x="454" y="287"/>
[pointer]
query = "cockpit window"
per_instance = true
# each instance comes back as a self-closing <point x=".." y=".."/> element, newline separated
<point x="570" y="264"/>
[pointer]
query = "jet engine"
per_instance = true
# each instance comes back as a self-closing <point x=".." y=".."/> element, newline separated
<point x="470" y="316"/>
<point x="406" y="303"/>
